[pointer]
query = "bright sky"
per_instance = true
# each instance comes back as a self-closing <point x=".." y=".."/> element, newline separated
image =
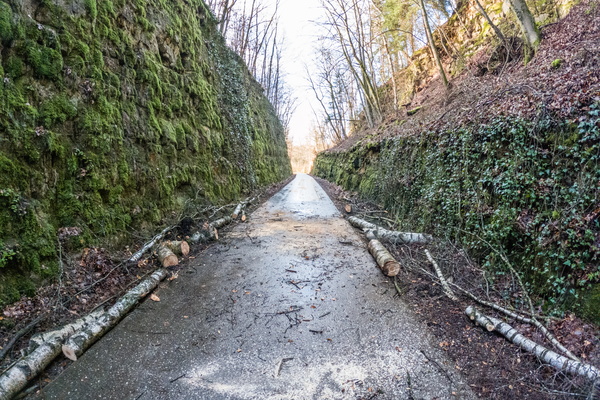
<point x="300" y="35"/>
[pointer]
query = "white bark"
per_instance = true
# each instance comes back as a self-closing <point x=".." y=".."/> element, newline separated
<point x="392" y="236"/>
<point x="441" y="277"/>
<point x="64" y="332"/>
<point x="548" y="356"/>
<point x="209" y="233"/>
<point x="43" y="349"/>
<point x="385" y="260"/>
<point x="138" y="254"/>
<point x="79" y="342"/>
<point x="238" y="210"/>
<point x="526" y="22"/>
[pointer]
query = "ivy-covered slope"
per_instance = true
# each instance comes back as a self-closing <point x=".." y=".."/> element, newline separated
<point x="115" y="116"/>
<point x="514" y="170"/>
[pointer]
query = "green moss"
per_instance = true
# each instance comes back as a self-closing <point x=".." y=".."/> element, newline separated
<point x="556" y="63"/>
<point x="56" y="111"/>
<point x="46" y="62"/>
<point x="6" y="23"/>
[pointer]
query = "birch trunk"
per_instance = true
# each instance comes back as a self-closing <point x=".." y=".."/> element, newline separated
<point x="79" y="342"/>
<point x="385" y="260"/>
<point x="559" y="362"/>
<point x="392" y="236"/>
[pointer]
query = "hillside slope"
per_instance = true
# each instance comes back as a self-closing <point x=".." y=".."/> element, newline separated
<point x="116" y="116"/>
<point x="505" y="163"/>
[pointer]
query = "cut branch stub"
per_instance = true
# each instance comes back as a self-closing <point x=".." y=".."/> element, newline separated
<point x="385" y="260"/>
<point x="179" y="247"/>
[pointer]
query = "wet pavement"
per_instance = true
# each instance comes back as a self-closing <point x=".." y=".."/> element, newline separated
<point x="289" y="305"/>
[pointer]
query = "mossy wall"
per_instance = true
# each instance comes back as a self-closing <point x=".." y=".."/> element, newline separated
<point x="116" y="115"/>
<point x="528" y="190"/>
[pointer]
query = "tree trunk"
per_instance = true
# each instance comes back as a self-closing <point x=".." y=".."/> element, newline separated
<point x="43" y="349"/>
<point x="436" y="54"/>
<point x="385" y="260"/>
<point x="79" y="342"/>
<point x="209" y="233"/>
<point x="392" y="236"/>
<point x="497" y="30"/>
<point x="179" y="247"/>
<point x="526" y="23"/>
<point x="166" y="256"/>
<point x="559" y="362"/>
<point x="136" y="257"/>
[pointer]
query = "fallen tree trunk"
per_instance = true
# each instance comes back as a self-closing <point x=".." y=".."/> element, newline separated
<point x="392" y="236"/>
<point x="80" y="341"/>
<point x="44" y="348"/>
<point x="178" y="247"/>
<point x="385" y="260"/>
<point x="138" y="254"/>
<point x="441" y="277"/>
<point x="166" y="256"/>
<point x="548" y="356"/>
<point x="64" y="332"/>
<point x="210" y="232"/>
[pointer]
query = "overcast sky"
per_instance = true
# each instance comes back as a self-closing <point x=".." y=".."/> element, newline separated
<point x="300" y="34"/>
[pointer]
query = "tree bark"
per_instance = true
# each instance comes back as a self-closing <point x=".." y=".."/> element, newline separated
<point x="138" y="254"/>
<point x="44" y="348"/>
<point x="526" y="23"/>
<point x="79" y="342"/>
<point x="436" y="54"/>
<point x="441" y="277"/>
<point x="208" y="234"/>
<point x="179" y="247"/>
<point x="392" y="236"/>
<point x="385" y="260"/>
<point x="166" y="256"/>
<point x="559" y="362"/>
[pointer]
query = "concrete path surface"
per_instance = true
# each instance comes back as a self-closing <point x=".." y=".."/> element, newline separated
<point x="289" y="305"/>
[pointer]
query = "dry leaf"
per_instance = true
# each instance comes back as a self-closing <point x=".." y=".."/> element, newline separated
<point x="154" y="297"/>
<point x="348" y="208"/>
<point x="174" y="276"/>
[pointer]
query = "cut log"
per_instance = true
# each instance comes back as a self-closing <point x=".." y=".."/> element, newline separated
<point x="178" y="247"/>
<point x="80" y="341"/>
<point x="392" y="236"/>
<point x="441" y="277"/>
<point x="238" y="210"/>
<point x="44" y="348"/>
<point x="209" y="233"/>
<point x="385" y="260"/>
<point x="138" y="254"/>
<point x="62" y="333"/>
<point x="546" y="355"/>
<point x="166" y="256"/>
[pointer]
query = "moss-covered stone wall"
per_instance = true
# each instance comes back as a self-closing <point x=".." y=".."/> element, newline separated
<point x="115" y="115"/>
<point x="530" y="190"/>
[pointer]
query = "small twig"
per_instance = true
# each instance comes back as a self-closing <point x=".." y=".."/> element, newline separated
<point x="291" y="270"/>
<point x="434" y="362"/>
<point x="324" y="315"/>
<point x="441" y="277"/>
<point x="280" y="365"/>
<point x="315" y="331"/>
<point x="178" y="378"/>
<point x="396" y="286"/>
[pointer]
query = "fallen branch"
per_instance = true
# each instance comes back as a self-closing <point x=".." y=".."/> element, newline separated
<point x="441" y="277"/>
<point x="8" y="347"/>
<point x="79" y="342"/>
<point x="138" y="254"/>
<point x="392" y="236"/>
<point x="46" y="347"/>
<point x="385" y="260"/>
<point x="238" y="210"/>
<point x="548" y="356"/>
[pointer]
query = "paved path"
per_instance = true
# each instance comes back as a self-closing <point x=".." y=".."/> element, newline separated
<point x="289" y="305"/>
